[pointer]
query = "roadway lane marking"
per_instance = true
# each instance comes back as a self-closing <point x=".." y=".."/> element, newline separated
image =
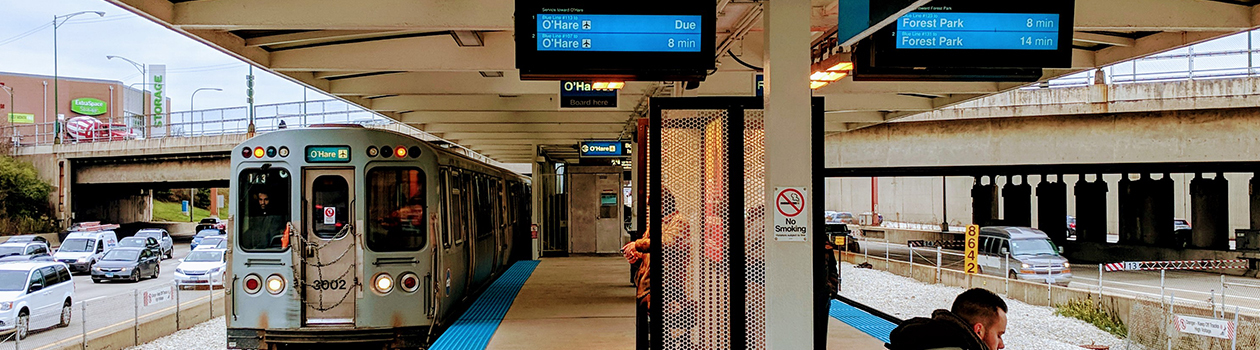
<point x="79" y="338"/>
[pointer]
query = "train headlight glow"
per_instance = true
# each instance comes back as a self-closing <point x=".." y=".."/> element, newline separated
<point x="275" y="284"/>
<point x="383" y="283"/>
<point x="258" y="152"/>
<point x="400" y="151"/>
<point x="252" y="284"/>
<point x="409" y="282"/>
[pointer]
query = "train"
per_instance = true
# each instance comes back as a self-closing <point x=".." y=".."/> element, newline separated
<point x="344" y="234"/>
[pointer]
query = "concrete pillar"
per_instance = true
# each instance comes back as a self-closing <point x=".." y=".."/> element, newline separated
<point x="1163" y="208"/>
<point x="1091" y="210"/>
<point x="1127" y="190"/>
<point x="1209" y="211"/>
<point x="789" y="278"/>
<point x="1143" y="211"/>
<point x="984" y="204"/>
<point x="1255" y="201"/>
<point x="1018" y="202"/>
<point x="1052" y="208"/>
<point x="214" y="202"/>
<point x="537" y="213"/>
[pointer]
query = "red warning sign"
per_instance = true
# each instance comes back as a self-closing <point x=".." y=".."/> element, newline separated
<point x="790" y="202"/>
<point x="791" y="223"/>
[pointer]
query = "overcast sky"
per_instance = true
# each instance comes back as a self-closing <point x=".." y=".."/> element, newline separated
<point x="26" y="46"/>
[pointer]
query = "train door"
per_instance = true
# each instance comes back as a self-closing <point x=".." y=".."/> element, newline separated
<point x="453" y="281"/>
<point x="484" y="241"/>
<point x="330" y="247"/>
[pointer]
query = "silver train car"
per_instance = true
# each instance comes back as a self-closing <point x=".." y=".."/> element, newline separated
<point x="342" y="234"/>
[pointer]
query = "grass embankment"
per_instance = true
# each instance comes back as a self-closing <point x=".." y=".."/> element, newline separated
<point x="1097" y="315"/>
<point x="168" y="211"/>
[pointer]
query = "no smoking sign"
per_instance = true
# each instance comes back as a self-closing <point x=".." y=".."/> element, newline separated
<point x="790" y="218"/>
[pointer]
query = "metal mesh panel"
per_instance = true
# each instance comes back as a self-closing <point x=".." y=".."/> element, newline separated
<point x="694" y="255"/>
<point x="754" y="239"/>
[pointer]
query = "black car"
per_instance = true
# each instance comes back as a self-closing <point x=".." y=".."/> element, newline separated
<point x="210" y="223"/>
<point x="142" y="242"/>
<point x="127" y="263"/>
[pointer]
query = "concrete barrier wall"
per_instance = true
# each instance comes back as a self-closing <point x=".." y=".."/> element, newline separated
<point x="901" y="236"/>
<point x="151" y="327"/>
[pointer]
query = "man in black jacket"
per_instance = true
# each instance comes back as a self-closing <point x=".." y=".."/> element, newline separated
<point x="976" y="321"/>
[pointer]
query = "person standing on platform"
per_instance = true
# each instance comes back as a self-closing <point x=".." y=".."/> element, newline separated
<point x="976" y="321"/>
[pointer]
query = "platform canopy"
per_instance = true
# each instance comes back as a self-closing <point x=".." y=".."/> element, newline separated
<point x="447" y="67"/>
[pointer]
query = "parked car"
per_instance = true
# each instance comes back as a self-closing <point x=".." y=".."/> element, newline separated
<point x="203" y="267"/>
<point x="27" y="238"/>
<point x="1022" y="253"/>
<point x="164" y="239"/>
<point x="211" y="223"/>
<point x="142" y="242"/>
<point x="80" y="250"/>
<point x="212" y="242"/>
<point x="24" y="248"/>
<point x="127" y="263"/>
<point x="34" y="294"/>
<point x="20" y="258"/>
<point x="202" y="234"/>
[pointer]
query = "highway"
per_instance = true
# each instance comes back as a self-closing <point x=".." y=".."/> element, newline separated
<point x="112" y="305"/>
<point x="1184" y="285"/>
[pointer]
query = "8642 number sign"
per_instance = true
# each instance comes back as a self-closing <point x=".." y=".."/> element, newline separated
<point x="972" y="241"/>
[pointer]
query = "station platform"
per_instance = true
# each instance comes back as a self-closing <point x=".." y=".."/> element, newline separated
<point x="588" y="303"/>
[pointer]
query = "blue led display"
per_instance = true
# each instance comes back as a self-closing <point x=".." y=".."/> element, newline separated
<point x="978" y="31"/>
<point x="603" y="149"/>
<point x="618" y="33"/>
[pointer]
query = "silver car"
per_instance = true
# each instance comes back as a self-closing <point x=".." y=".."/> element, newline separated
<point x="163" y="238"/>
<point x="1022" y="253"/>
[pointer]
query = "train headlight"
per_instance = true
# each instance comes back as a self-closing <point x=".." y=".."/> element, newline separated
<point x="409" y="282"/>
<point x="372" y="151"/>
<point x="258" y="152"/>
<point x="400" y="152"/>
<point x="382" y="283"/>
<point x="275" y="284"/>
<point x="284" y="151"/>
<point x="252" y="284"/>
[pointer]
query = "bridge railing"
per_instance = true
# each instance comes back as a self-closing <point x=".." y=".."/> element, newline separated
<point x="223" y="121"/>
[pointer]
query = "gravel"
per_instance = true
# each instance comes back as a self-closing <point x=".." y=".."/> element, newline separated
<point x="211" y="334"/>
<point x="1028" y="327"/>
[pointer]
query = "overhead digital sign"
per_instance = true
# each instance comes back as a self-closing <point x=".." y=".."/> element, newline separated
<point x="604" y="149"/>
<point x="980" y="34"/>
<point x="583" y="94"/>
<point x="595" y="40"/>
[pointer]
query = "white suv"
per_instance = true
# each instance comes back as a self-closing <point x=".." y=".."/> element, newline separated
<point x="34" y="295"/>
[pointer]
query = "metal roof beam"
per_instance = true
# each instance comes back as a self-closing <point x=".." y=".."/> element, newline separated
<point x="344" y="15"/>
<point x="533" y="135"/>
<point x="531" y="128"/>
<point x="424" y="53"/>
<point x="489" y="102"/>
<point x="508" y="118"/>
<point x="1161" y="15"/>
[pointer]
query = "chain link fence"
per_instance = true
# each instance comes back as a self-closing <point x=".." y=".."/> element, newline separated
<point x="121" y="320"/>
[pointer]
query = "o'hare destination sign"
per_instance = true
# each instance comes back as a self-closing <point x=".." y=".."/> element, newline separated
<point x="791" y="222"/>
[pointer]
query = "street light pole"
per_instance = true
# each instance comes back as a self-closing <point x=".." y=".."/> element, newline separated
<point x="56" y="91"/>
<point x="12" y="110"/>
<point x="144" y="87"/>
<point x="191" y="104"/>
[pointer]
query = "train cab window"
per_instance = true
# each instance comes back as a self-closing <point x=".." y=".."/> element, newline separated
<point x="263" y="208"/>
<point x="330" y="210"/>
<point x="396" y="203"/>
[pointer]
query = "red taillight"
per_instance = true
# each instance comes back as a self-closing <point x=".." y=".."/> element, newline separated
<point x="1072" y="225"/>
<point x="409" y="283"/>
<point x="251" y="284"/>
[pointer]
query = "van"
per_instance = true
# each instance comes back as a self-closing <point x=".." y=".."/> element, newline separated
<point x="81" y="250"/>
<point x="34" y="295"/>
<point x="1022" y="253"/>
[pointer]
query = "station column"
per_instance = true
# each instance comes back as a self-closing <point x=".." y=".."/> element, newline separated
<point x="1163" y="209"/>
<point x="1209" y="204"/>
<point x="1052" y="208"/>
<point x="1091" y="210"/>
<point x="1018" y="202"/>
<point x="1126" y="191"/>
<point x="789" y="273"/>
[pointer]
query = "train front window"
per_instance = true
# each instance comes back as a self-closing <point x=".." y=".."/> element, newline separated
<point x="263" y="208"/>
<point x="330" y="196"/>
<point x="397" y="206"/>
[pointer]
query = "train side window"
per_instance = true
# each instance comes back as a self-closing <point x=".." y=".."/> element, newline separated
<point x="396" y="201"/>
<point x="263" y="208"/>
<point x="484" y="208"/>
<point x="446" y="208"/>
<point x="459" y="217"/>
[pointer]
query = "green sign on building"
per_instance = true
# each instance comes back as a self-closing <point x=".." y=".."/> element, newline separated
<point x="23" y="118"/>
<point x="88" y="106"/>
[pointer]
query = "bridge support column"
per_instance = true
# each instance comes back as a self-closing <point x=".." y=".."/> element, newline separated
<point x="984" y="205"/>
<point x="1091" y="210"/>
<point x="1209" y="211"/>
<point x="1163" y="209"/>
<point x="1018" y="202"/>
<point x="1129" y="193"/>
<point x="1255" y="201"/>
<point x="1052" y="208"/>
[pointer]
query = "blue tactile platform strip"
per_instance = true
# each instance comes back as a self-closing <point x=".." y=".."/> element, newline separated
<point x="861" y="320"/>
<point x="475" y="327"/>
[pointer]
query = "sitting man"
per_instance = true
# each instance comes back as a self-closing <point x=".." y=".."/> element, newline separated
<point x="976" y="321"/>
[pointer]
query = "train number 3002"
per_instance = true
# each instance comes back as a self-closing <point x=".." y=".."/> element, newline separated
<point x="328" y="284"/>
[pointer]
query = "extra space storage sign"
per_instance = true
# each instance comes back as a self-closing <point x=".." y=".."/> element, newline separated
<point x="790" y="218"/>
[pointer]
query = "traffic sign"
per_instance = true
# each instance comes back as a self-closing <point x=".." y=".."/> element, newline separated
<point x="972" y="244"/>
<point x="791" y="223"/>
